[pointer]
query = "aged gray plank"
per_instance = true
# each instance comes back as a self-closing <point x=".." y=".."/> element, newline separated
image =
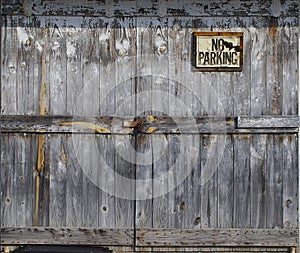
<point x="125" y="37"/>
<point x="290" y="66"/>
<point x="74" y="185"/>
<point x="125" y="167"/>
<point x="57" y="192"/>
<point x="9" y="67"/>
<point x="242" y="184"/>
<point x="189" y="206"/>
<point x="225" y="185"/>
<point x="74" y="74"/>
<point x="161" y="167"/>
<point x="151" y="8"/>
<point x="209" y="182"/>
<point x="24" y="160"/>
<point x="220" y="237"/>
<point x="274" y="186"/>
<point x="107" y="211"/>
<point x="290" y="180"/>
<point x="176" y="197"/>
<point x="57" y="67"/>
<point x="258" y="181"/>
<point x="89" y="53"/>
<point x="182" y="88"/>
<point x="268" y="122"/>
<point x="8" y="189"/>
<point x="144" y="175"/>
<point x="66" y="236"/>
<point x="108" y="56"/>
<point x="90" y="189"/>
<point x="258" y="67"/>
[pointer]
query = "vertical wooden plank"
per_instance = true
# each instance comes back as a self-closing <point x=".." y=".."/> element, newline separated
<point x="9" y="66"/>
<point x="274" y="67"/>
<point x="181" y="83"/>
<point x="74" y="185"/>
<point x="226" y="186"/>
<point x="74" y="75"/>
<point x="90" y="58"/>
<point x="8" y="204"/>
<point x="209" y="187"/>
<point x="124" y="35"/>
<point x="290" y="181"/>
<point x="24" y="164"/>
<point x="176" y="196"/>
<point x="107" y="209"/>
<point x="241" y="94"/>
<point x="160" y="181"/>
<point x="242" y="183"/>
<point x="90" y="190"/>
<point x="189" y="173"/>
<point x="258" y="71"/>
<point x="124" y="167"/>
<point x="258" y="181"/>
<point x="144" y="189"/>
<point x="274" y="174"/>
<point x="57" y="66"/>
<point x="107" y="54"/>
<point x="290" y="63"/>
<point x="57" y="206"/>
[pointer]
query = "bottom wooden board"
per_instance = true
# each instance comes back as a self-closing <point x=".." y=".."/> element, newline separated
<point x="217" y="237"/>
<point x="66" y="236"/>
<point x="151" y="237"/>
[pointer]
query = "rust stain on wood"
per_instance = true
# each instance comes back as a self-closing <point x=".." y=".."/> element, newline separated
<point x="41" y="138"/>
<point x="43" y="91"/>
<point x="91" y="126"/>
<point x="63" y="155"/>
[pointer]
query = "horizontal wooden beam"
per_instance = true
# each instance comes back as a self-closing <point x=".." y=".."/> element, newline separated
<point x="66" y="236"/>
<point x="150" y="237"/>
<point x="268" y="122"/>
<point x="148" y="125"/>
<point x="150" y="8"/>
<point x="218" y="237"/>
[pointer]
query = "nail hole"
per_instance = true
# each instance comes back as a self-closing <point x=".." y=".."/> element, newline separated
<point x="104" y="208"/>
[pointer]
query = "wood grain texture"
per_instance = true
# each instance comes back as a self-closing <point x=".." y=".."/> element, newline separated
<point x="66" y="236"/>
<point x="242" y="183"/>
<point x="151" y="8"/>
<point x="290" y="179"/>
<point x="274" y="177"/>
<point x="228" y="237"/>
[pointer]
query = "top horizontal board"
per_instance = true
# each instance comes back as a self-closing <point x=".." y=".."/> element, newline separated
<point x="151" y="8"/>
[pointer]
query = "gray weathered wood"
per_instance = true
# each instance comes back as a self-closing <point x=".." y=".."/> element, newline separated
<point x="66" y="236"/>
<point x="58" y="179"/>
<point x="150" y="8"/>
<point x="274" y="177"/>
<point x="242" y="183"/>
<point x="258" y="181"/>
<point x="290" y="180"/>
<point x="159" y="124"/>
<point x="220" y="237"/>
<point x="268" y="122"/>
<point x="226" y="185"/>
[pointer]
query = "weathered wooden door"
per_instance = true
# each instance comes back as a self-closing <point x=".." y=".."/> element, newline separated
<point x="110" y="138"/>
